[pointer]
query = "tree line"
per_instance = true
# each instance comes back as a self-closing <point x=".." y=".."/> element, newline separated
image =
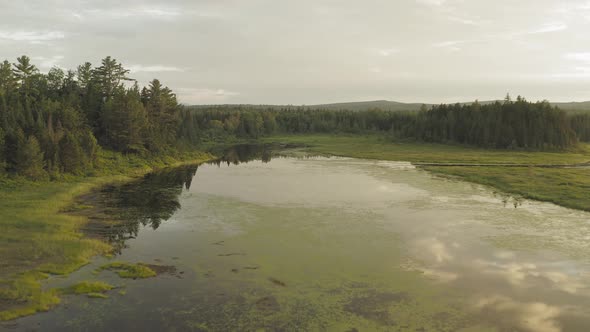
<point x="56" y="122"/>
<point x="509" y="124"/>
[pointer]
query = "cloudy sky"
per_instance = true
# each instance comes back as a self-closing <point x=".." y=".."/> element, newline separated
<point x="317" y="51"/>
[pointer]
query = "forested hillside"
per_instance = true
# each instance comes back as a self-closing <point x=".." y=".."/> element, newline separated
<point x="56" y="122"/>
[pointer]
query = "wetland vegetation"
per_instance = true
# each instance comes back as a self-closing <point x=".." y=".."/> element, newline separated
<point x="238" y="251"/>
<point x="92" y="171"/>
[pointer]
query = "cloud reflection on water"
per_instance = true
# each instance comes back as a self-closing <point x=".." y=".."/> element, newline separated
<point x="532" y="316"/>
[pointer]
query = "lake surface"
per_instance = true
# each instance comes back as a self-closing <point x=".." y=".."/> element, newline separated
<point x="335" y="244"/>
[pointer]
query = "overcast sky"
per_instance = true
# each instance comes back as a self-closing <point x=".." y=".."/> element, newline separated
<point x="317" y="51"/>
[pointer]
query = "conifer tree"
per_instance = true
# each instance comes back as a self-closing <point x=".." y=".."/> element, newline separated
<point x="30" y="161"/>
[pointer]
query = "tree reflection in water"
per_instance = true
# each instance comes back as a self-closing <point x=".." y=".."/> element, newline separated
<point x="121" y="210"/>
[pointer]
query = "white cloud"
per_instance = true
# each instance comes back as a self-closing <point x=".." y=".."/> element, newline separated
<point x="462" y="20"/>
<point x="32" y="36"/>
<point x="578" y="56"/>
<point x="451" y="45"/>
<point x="432" y="2"/>
<point x="158" y="12"/>
<point x="48" y="62"/>
<point x="376" y="70"/>
<point x="581" y="69"/>
<point x="153" y="69"/>
<point x="204" y="95"/>
<point x="388" y="51"/>
<point x="549" y="27"/>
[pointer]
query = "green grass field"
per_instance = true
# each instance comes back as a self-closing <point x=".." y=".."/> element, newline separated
<point x="562" y="186"/>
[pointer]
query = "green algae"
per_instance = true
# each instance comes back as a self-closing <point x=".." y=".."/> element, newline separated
<point x="128" y="270"/>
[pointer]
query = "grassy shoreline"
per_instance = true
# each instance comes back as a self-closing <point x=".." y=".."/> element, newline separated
<point x="39" y="240"/>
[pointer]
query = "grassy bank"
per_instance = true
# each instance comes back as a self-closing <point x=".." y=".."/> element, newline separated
<point x="562" y="186"/>
<point x="37" y="239"/>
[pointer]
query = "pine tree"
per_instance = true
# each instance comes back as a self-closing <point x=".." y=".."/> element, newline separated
<point x="23" y="69"/>
<point x="110" y="75"/>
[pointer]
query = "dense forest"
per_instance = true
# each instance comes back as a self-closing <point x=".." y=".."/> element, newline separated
<point x="57" y="122"/>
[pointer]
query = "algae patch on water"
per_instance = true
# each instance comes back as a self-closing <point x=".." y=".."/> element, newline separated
<point x="128" y="270"/>
<point x="139" y="270"/>
<point x="93" y="289"/>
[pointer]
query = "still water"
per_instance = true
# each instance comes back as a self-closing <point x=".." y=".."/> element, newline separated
<point x="334" y="244"/>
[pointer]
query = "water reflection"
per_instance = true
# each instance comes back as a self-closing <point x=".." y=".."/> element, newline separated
<point x="147" y="202"/>
<point x="244" y="153"/>
<point x="503" y="304"/>
<point x="155" y="198"/>
<point x="514" y="200"/>
<point x="532" y="316"/>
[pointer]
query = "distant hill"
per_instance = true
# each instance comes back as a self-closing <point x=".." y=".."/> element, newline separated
<point x="574" y="107"/>
<point x="350" y="106"/>
<point x="386" y="105"/>
<point x="570" y="107"/>
<point x="367" y="105"/>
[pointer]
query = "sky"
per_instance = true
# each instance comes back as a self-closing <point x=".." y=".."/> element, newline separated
<point x="317" y="51"/>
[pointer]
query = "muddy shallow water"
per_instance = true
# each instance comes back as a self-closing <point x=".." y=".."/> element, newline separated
<point x="336" y="244"/>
